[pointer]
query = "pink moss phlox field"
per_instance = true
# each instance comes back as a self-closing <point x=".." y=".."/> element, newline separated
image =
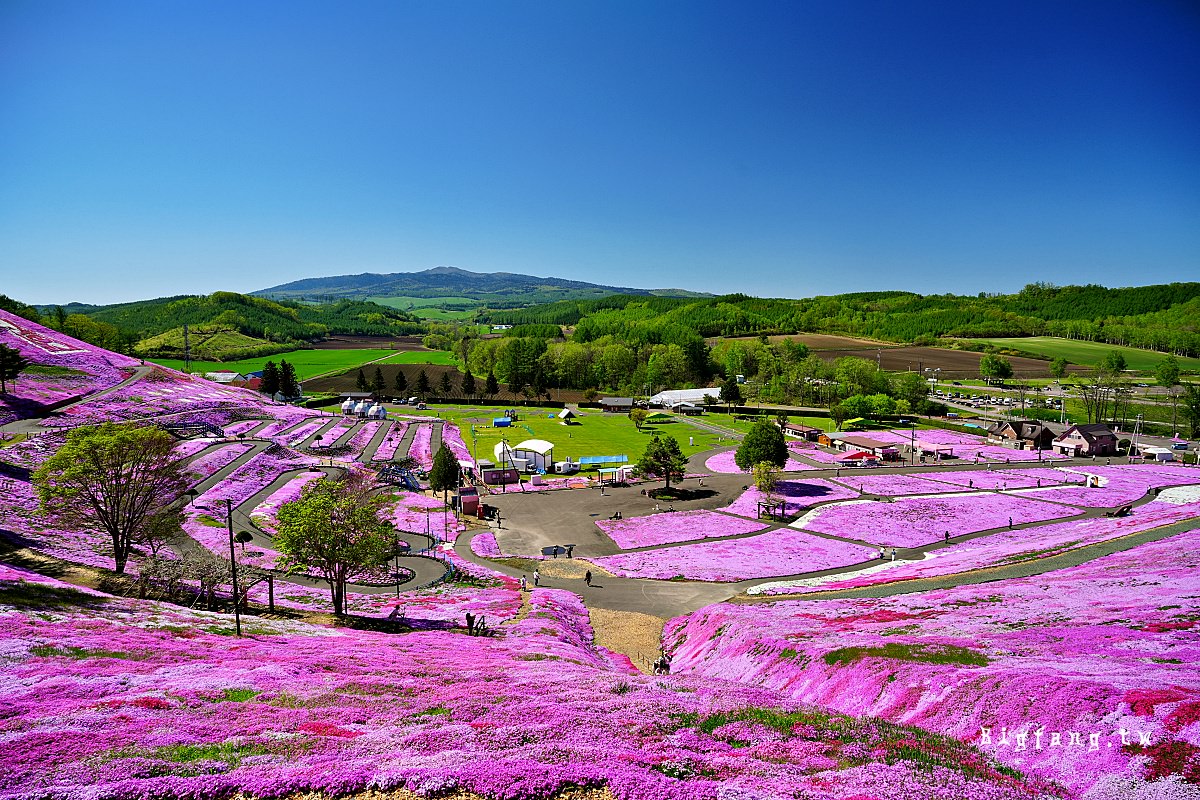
<point x="418" y="513"/>
<point x="893" y="484"/>
<point x="452" y="438"/>
<point x="681" y="526"/>
<point x="723" y="463"/>
<point x="916" y="521"/>
<point x="387" y="448"/>
<point x="217" y="459"/>
<point x="243" y="426"/>
<point x="796" y="494"/>
<point x="778" y="552"/>
<point x="118" y="700"/>
<point x="1002" y="547"/>
<point x="421" y="449"/>
<point x="1100" y="647"/>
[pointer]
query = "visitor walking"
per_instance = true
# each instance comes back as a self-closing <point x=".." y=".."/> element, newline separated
<point x="587" y="577"/>
<point x="537" y="578"/>
<point x="1010" y="523"/>
<point x="524" y="584"/>
<point x="882" y="554"/>
<point x="893" y="554"/>
<point x="947" y="536"/>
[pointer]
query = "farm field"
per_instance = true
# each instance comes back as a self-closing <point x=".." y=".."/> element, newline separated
<point x="310" y="363"/>
<point x="430" y="307"/>
<point x="1088" y="353"/>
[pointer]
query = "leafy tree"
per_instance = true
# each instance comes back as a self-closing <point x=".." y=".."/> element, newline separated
<point x="490" y="387"/>
<point x="663" y="459"/>
<point x="731" y="393"/>
<point x="764" y="443"/>
<point x="401" y="382"/>
<point x="781" y="419"/>
<point x="911" y="387"/>
<point x="880" y="406"/>
<point x="839" y="414"/>
<point x="377" y="382"/>
<point x="288" y="385"/>
<point x="993" y="366"/>
<point x="638" y="417"/>
<point x="444" y="384"/>
<point x="270" y="379"/>
<point x="422" y="384"/>
<point x="468" y="384"/>
<point x="1113" y="362"/>
<point x="1058" y="368"/>
<point x="1166" y="373"/>
<point x="12" y="364"/>
<point x="766" y="477"/>
<point x="122" y="480"/>
<point x="856" y="405"/>
<point x="1191" y="409"/>
<point x="334" y="530"/>
<point x="444" y="474"/>
<point x="360" y="382"/>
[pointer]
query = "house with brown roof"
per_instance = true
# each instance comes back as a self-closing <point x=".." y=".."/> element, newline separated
<point x="1021" y="435"/>
<point x="1092" y="439"/>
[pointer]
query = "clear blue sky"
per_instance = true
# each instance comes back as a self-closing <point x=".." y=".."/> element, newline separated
<point x="785" y="149"/>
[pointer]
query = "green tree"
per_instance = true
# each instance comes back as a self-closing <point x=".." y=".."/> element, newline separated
<point x="377" y="382"/>
<point x="766" y="478"/>
<point x="856" y="405"/>
<point x="333" y="530"/>
<point x="1166" y="374"/>
<point x="360" y="382"/>
<point x="781" y="419"/>
<point x="996" y="367"/>
<point x="839" y="414"/>
<point x="1058" y="368"/>
<point x="444" y="384"/>
<point x="444" y="474"/>
<point x="1191" y="408"/>
<point x="401" y="382"/>
<point x="422" y="384"/>
<point x="12" y="364"/>
<point x="731" y="393"/>
<point x="880" y="406"/>
<point x="638" y="417"/>
<point x="121" y="480"/>
<point x="468" y="384"/>
<point x="490" y="387"/>
<point x="270" y="379"/>
<point x="764" y="443"/>
<point x="1113" y="362"/>
<point x="288" y="385"/>
<point x="663" y="460"/>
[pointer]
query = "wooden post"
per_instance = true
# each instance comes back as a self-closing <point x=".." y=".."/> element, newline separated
<point x="271" y="593"/>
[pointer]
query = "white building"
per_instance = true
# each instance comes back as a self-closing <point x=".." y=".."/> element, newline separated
<point x="693" y="396"/>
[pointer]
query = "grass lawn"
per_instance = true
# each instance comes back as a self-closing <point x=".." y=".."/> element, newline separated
<point x="310" y="363"/>
<point x="1088" y="353"/>
<point x="597" y="434"/>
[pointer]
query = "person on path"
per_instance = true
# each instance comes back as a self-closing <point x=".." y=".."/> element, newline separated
<point x="470" y="624"/>
<point x="537" y="578"/>
<point x="587" y="577"/>
<point x="1010" y="523"/>
<point x="524" y="584"/>
<point x="893" y="554"/>
<point x="882" y="554"/>
<point x="947" y="536"/>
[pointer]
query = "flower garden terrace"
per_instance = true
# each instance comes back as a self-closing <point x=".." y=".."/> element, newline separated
<point x="126" y="698"/>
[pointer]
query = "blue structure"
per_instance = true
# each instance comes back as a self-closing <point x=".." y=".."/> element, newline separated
<point x="501" y="422"/>
<point x="594" y="460"/>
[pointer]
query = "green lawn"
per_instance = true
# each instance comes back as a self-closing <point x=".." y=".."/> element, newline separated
<point x="597" y="434"/>
<point x="1088" y="353"/>
<point x="310" y="363"/>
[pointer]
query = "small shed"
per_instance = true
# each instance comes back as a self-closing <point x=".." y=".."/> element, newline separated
<point x="501" y="422"/>
<point x="566" y="415"/>
<point x="806" y="432"/>
<point x="538" y="453"/>
<point x="859" y="459"/>
<point x="1158" y="453"/>
<point x="467" y="500"/>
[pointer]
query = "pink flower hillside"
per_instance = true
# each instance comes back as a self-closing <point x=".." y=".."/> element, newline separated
<point x="123" y="699"/>
<point x="894" y="484"/>
<point x="683" y="526"/>
<point x="914" y="521"/>
<point x="771" y="554"/>
<point x="452" y="438"/>
<point x="796" y="494"/>
<point x="1106" y="646"/>
<point x="387" y="448"/>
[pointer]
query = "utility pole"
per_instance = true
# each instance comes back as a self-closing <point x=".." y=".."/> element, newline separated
<point x="187" y="352"/>
<point x="237" y="600"/>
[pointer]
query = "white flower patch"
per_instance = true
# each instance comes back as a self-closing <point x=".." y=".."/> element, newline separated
<point x="1180" y="495"/>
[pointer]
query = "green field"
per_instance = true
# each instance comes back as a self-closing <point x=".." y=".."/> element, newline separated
<point x="1087" y="353"/>
<point x="430" y="307"/>
<point x="311" y="363"/>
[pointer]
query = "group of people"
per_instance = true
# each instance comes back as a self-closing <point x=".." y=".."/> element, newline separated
<point x="662" y="665"/>
<point x="883" y="554"/>
<point x="537" y="580"/>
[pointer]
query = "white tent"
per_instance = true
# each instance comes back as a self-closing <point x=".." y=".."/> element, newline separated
<point x="693" y="396"/>
<point x="348" y="406"/>
<point x="538" y="452"/>
<point x="361" y="408"/>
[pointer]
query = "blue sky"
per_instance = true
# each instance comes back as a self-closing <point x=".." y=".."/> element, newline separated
<point x="782" y="149"/>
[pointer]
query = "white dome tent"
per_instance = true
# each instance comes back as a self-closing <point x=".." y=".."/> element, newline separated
<point x="537" y="452"/>
<point x="348" y="406"/>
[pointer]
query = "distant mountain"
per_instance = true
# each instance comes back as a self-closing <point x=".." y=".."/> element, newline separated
<point x="453" y="282"/>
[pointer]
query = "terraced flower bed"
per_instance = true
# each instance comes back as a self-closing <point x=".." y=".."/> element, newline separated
<point x="681" y="526"/>
<point x="915" y="521"/>
<point x="387" y="448"/>
<point x="723" y="463"/>
<point x="777" y="552"/>
<point x="421" y="447"/>
<point x="894" y="484"/>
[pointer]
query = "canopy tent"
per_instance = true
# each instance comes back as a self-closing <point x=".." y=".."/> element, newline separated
<point x="538" y="452"/>
<point x="501" y="422"/>
<point x="594" y="460"/>
<point x="566" y="414"/>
